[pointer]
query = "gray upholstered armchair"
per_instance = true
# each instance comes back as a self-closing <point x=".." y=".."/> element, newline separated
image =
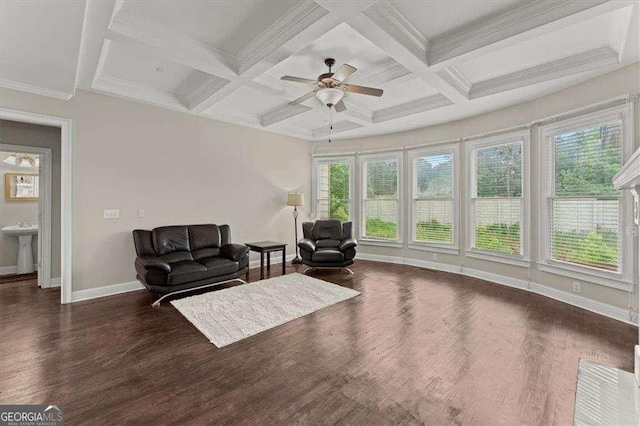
<point x="327" y="244"/>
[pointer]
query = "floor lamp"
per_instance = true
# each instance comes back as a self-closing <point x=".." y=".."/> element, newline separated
<point x="295" y="199"/>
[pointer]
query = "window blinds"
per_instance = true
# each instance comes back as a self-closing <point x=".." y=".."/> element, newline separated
<point x="496" y="204"/>
<point x="381" y="198"/>
<point x="433" y="198"/>
<point x="584" y="207"/>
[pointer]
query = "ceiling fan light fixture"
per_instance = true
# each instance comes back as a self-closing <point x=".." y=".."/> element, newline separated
<point x="329" y="96"/>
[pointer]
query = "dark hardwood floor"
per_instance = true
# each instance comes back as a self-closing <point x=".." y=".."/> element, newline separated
<point x="417" y="346"/>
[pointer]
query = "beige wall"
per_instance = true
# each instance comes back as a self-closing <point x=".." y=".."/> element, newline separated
<point x="179" y="168"/>
<point x="621" y="82"/>
<point x="26" y="134"/>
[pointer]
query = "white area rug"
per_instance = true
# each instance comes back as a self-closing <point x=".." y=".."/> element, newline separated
<point x="232" y="314"/>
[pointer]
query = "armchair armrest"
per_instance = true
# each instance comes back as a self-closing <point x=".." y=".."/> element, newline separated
<point x="307" y="244"/>
<point x="347" y="244"/>
<point x="153" y="262"/>
<point x="234" y="251"/>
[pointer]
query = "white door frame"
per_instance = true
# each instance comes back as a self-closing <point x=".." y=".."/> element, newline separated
<point x="44" y="209"/>
<point x="66" y="188"/>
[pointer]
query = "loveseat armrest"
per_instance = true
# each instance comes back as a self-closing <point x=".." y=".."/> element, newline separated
<point x="234" y="252"/>
<point x="307" y="244"/>
<point x="347" y="244"/>
<point x="153" y="262"/>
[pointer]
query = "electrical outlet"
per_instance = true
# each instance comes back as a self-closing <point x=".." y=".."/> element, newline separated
<point x="435" y="256"/>
<point x="577" y="287"/>
<point x="111" y="214"/>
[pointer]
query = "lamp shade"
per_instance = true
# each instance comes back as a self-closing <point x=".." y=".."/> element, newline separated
<point x="295" y="199"/>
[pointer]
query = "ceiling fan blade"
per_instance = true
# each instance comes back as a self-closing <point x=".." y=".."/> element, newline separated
<point x="340" y="106"/>
<point x="363" y="90"/>
<point x="343" y="72"/>
<point x="297" y="79"/>
<point x="303" y="98"/>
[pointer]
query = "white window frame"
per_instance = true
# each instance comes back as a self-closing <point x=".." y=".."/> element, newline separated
<point x="319" y="161"/>
<point x="413" y="155"/>
<point x="362" y="160"/>
<point x="617" y="279"/>
<point x="522" y="259"/>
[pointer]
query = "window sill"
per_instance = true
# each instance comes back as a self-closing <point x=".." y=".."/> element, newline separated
<point x="612" y="280"/>
<point x="382" y="243"/>
<point x="438" y="248"/>
<point x="495" y="257"/>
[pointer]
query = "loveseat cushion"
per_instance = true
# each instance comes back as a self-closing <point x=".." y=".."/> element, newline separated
<point x="218" y="266"/>
<point x="187" y="271"/>
<point x="204" y="236"/>
<point x="169" y="239"/>
<point x="327" y="230"/>
<point x="327" y="255"/>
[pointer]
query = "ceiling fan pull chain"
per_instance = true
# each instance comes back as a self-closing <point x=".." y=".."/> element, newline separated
<point x="330" y="125"/>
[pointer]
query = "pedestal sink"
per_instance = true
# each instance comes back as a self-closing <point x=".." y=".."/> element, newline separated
<point x="25" y="252"/>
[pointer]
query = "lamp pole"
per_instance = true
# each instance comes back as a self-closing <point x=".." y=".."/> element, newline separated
<point x="295" y="222"/>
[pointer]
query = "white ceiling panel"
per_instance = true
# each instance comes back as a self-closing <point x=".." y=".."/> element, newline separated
<point x="251" y="101"/>
<point x="40" y="44"/>
<point x="228" y="25"/>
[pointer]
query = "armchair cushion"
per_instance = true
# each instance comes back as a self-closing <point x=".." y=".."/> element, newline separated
<point x="234" y="252"/>
<point x="347" y="244"/>
<point x="307" y="244"/>
<point x="153" y="262"/>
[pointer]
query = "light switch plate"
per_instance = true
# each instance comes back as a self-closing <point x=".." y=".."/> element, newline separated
<point x="140" y="213"/>
<point x="111" y="214"/>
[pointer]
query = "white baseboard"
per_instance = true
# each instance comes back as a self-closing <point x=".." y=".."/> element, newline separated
<point x="113" y="289"/>
<point x="56" y="282"/>
<point x="11" y="270"/>
<point x="107" y="290"/>
<point x="604" y="309"/>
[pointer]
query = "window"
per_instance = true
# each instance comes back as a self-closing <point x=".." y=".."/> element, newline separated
<point x="333" y="189"/>
<point x="434" y="193"/>
<point x="582" y="209"/>
<point x="381" y="197"/>
<point x="497" y="207"/>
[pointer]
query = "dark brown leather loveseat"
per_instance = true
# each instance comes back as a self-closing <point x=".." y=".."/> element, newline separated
<point x="177" y="258"/>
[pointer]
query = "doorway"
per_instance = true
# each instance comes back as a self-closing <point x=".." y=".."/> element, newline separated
<point x="27" y="179"/>
<point x="65" y="212"/>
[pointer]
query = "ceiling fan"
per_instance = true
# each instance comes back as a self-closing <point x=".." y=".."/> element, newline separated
<point x="331" y="87"/>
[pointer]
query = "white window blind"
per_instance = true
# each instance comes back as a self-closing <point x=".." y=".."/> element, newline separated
<point x="381" y="202"/>
<point x="584" y="207"/>
<point x="333" y="189"/>
<point x="433" y="198"/>
<point x="496" y="198"/>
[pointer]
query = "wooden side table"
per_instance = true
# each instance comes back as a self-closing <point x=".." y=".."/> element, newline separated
<point x="268" y="247"/>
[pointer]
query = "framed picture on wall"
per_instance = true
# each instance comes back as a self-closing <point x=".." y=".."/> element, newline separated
<point x="21" y="187"/>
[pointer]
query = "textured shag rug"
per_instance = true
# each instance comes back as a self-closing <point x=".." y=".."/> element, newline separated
<point x="234" y="313"/>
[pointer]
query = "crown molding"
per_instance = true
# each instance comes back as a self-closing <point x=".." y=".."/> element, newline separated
<point x="587" y="61"/>
<point x="520" y="19"/>
<point x="394" y="23"/>
<point x="295" y="20"/>
<point x="357" y="113"/>
<point x="36" y="90"/>
<point x="413" y="107"/>
<point x="137" y="92"/>
<point x="173" y="45"/>
<point x="454" y="77"/>
<point x="253" y="121"/>
<point x="205" y="90"/>
<point x="282" y="113"/>
<point x="339" y="127"/>
<point x="385" y="72"/>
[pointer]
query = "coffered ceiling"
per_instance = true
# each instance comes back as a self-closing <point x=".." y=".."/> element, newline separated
<point x="437" y="61"/>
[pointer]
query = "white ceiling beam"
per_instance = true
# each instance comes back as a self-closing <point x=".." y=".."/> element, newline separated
<point x="138" y="92"/>
<point x="454" y="77"/>
<point x="173" y="45"/>
<point x="526" y="21"/>
<point x="587" y="61"/>
<point x="282" y="113"/>
<point x="339" y="127"/>
<point x="410" y="108"/>
<point x="357" y="113"/>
